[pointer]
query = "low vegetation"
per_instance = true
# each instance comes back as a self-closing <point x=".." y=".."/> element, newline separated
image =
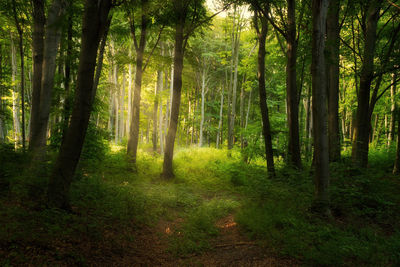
<point x="112" y="207"/>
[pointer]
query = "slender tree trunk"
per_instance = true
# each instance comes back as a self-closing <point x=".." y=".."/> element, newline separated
<point x="161" y="121"/>
<point x="51" y="43"/>
<point x="396" y="168"/>
<point x="177" y="86"/>
<point x="122" y="106"/>
<point x="233" y="81"/>
<point x="67" y="79"/>
<point x="128" y="121"/>
<point x="374" y="130"/>
<point x="221" y="109"/>
<point x="292" y="98"/>
<point x="363" y="126"/>
<point x="155" y="107"/>
<point x="15" y="98"/>
<point x="248" y="110"/>
<point x="22" y="78"/>
<point x="392" y="110"/>
<point x="134" y="131"/>
<point x="116" y="102"/>
<point x="203" y="93"/>
<point x="332" y="71"/>
<point x="94" y="22"/>
<point x="308" y="123"/>
<point x="320" y="116"/>
<point x="262" y="34"/>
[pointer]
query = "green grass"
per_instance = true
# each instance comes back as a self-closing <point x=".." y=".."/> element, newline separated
<point x="107" y="196"/>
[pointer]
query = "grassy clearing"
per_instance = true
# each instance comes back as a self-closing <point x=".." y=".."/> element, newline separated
<point x="112" y="205"/>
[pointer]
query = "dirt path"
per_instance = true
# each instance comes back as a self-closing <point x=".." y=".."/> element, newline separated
<point x="229" y="248"/>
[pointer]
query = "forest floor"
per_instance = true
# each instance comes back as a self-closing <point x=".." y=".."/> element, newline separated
<point x="217" y="211"/>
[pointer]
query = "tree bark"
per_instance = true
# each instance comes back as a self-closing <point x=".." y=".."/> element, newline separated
<point x="332" y="71"/>
<point x="155" y="107"/>
<point x="94" y="22"/>
<point x="221" y="109"/>
<point x="396" y="168"/>
<point x="292" y="98"/>
<point x="362" y="126"/>
<point x="135" y="121"/>
<point x="51" y="43"/>
<point x="15" y="98"/>
<point x="203" y="94"/>
<point x="177" y="87"/>
<point x="321" y="153"/>
<point x="262" y="34"/>
<point x="22" y="78"/>
<point x="392" y="110"/>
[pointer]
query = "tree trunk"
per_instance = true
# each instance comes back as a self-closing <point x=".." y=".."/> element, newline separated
<point x="203" y="94"/>
<point x="221" y="109"/>
<point x="291" y="89"/>
<point x="94" y="22"/>
<point x="262" y="34"/>
<point x="128" y="121"/>
<point x="15" y="98"/>
<point x="392" y="110"/>
<point x="155" y="107"/>
<point x="22" y="78"/>
<point x="161" y="121"/>
<point x="116" y="102"/>
<point x="67" y="79"/>
<point x="122" y="106"/>
<point x="177" y="86"/>
<point x="134" y="131"/>
<point x="396" y="168"/>
<point x="362" y="127"/>
<point x="332" y="71"/>
<point x="51" y="43"/>
<point x="321" y="152"/>
<point x="233" y="81"/>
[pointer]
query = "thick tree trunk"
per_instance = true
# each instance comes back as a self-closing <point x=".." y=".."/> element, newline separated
<point x="262" y="34"/>
<point x="362" y="127"/>
<point x="134" y="130"/>
<point x="176" y="97"/>
<point x="332" y="71"/>
<point x="37" y="54"/>
<point x="320" y="116"/>
<point x="51" y="43"/>
<point x="292" y="98"/>
<point x="94" y="22"/>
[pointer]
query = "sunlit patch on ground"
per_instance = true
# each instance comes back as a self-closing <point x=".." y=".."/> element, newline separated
<point x="115" y="148"/>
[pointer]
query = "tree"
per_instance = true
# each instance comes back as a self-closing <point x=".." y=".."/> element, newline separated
<point x="41" y="112"/>
<point x="185" y="11"/>
<point x="332" y="73"/>
<point x="319" y="108"/>
<point x="362" y="127"/>
<point x="95" y="21"/>
<point x="259" y="18"/>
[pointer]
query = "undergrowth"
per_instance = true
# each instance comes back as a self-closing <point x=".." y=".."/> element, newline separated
<point x="112" y="204"/>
